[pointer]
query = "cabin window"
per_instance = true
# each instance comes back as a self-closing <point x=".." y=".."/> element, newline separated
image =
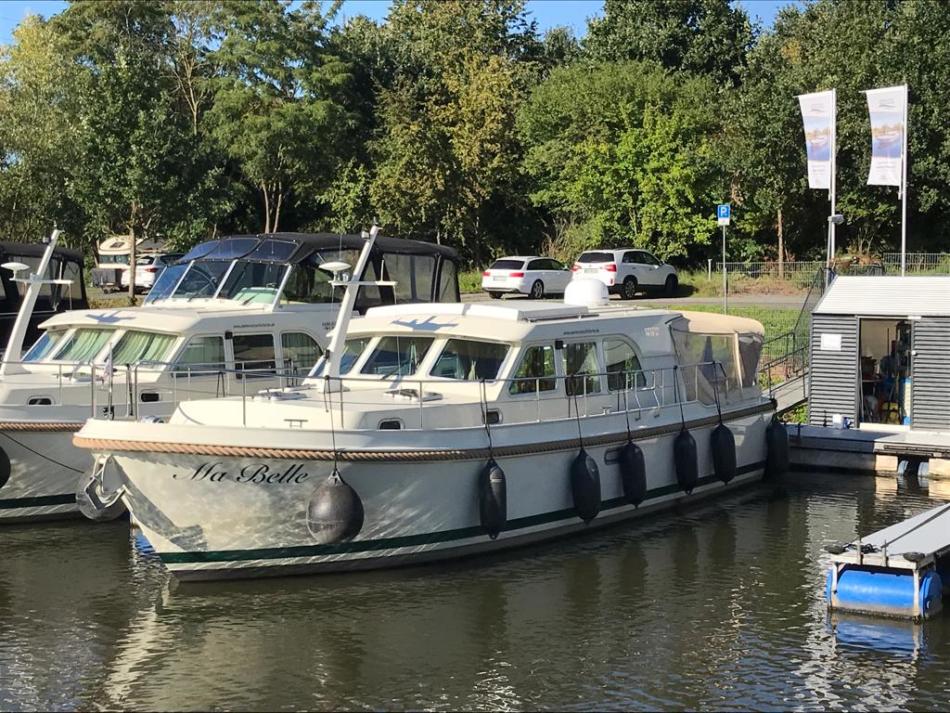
<point x="308" y="285"/>
<point x="300" y="351"/>
<point x="468" y="360"/>
<point x="83" y="344"/>
<point x="581" y="367"/>
<point x="413" y="275"/>
<point x="750" y="350"/>
<point x="202" y="353"/>
<point x="250" y="282"/>
<point x="39" y="401"/>
<point x="135" y="346"/>
<point x="707" y="364"/>
<point x="397" y="356"/>
<point x="43" y="346"/>
<point x="536" y="371"/>
<point x="622" y="365"/>
<point x="254" y="352"/>
<point x="448" y="282"/>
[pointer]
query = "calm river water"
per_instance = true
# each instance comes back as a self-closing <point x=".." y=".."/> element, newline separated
<point x="717" y="608"/>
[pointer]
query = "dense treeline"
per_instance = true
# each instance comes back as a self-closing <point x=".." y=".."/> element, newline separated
<point x="457" y="121"/>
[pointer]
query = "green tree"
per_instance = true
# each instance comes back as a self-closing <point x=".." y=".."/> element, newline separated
<point x="621" y="153"/>
<point x="276" y="109"/>
<point x="708" y="37"/>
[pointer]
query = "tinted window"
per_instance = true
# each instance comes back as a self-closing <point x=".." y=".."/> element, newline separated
<point x="538" y="265"/>
<point x="596" y="257"/>
<point x="253" y="352"/>
<point x="554" y="265"/>
<point x="536" y="371"/>
<point x="205" y="352"/>
<point x="622" y="365"/>
<point x="469" y="360"/>
<point x="448" y="287"/>
<point x="300" y="351"/>
<point x="580" y="366"/>
<point x="632" y="257"/>
<point x="397" y="356"/>
<point x="507" y="265"/>
<point x="413" y="275"/>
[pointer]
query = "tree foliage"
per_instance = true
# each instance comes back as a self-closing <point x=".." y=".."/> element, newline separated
<point x="457" y="121"/>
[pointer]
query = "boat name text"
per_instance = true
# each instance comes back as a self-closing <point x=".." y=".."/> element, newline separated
<point x="251" y="473"/>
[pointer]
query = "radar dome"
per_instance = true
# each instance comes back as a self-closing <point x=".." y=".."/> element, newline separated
<point x="586" y="292"/>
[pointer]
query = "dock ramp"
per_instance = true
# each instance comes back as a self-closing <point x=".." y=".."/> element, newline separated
<point x="896" y="572"/>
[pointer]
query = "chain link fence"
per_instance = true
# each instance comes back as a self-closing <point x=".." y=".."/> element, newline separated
<point x="918" y="263"/>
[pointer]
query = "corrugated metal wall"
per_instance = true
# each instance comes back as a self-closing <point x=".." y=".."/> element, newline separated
<point x="833" y="374"/>
<point x="930" y="368"/>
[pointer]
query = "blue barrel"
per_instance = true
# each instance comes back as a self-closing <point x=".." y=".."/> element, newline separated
<point x="884" y="591"/>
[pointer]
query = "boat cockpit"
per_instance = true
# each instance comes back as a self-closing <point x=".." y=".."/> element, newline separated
<point x="287" y="269"/>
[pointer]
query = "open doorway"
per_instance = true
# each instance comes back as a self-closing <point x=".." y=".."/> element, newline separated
<point x="884" y="348"/>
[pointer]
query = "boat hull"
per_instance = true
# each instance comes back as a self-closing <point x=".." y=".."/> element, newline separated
<point x="45" y="468"/>
<point x="211" y="516"/>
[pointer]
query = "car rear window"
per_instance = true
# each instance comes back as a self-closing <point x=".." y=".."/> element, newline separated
<point x="596" y="257"/>
<point x="507" y="265"/>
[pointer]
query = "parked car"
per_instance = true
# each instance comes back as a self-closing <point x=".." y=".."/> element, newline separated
<point x="532" y="275"/>
<point x="147" y="270"/>
<point x="626" y="272"/>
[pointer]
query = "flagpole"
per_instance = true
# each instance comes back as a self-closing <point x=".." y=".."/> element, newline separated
<point x="834" y="152"/>
<point x="904" y="186"/>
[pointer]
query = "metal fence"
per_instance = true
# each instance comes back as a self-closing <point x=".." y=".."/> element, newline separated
<point x="918" y="263"/>
<point x="799" y="272"/>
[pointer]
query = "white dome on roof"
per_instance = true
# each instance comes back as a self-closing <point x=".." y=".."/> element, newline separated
<point x="586" y="292"/>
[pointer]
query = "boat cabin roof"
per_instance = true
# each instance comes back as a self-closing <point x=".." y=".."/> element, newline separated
<point x="168" y="320"/>
<point x="529" y="320"/>
<point x="8" y="247"/>
<point x="293" y="248"/>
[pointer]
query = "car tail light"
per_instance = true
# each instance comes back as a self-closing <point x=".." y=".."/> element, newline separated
<point x="487" y="273"/>
<point x="612" y="267"/>
<point x="150" y="269"/>
<point x="516" y="274"/>
<point x="575" y="268"/>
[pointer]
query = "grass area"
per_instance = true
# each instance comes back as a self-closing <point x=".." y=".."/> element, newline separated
<point x="470" y="281"/>
<point x="698" y="283"/>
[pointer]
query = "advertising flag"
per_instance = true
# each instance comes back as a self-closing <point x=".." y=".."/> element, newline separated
<point x="887" y="108"/>
<point x="818" y="116"/>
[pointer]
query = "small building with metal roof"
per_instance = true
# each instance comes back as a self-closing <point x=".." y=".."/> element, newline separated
<point x="880" y="354"/>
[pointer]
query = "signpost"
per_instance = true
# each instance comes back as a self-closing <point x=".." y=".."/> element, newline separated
<point x="723" y="216"/>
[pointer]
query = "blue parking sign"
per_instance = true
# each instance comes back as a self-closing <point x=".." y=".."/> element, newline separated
<point x="723" y="213"/>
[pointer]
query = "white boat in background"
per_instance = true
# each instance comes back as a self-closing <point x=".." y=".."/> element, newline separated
<point x="235" y="315"/>
<point x="435" y="431"/>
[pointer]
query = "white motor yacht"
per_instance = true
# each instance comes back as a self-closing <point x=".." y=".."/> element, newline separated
<point x="233" y="316"/>
<point x="440" y="430"/>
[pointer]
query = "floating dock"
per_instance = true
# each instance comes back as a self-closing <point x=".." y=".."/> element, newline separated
<point x="896" y="572"/>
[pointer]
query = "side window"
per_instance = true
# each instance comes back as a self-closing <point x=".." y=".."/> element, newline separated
<point x="536" y="371"/>
<point x="300" y="351"/>
<point x="254" y="352"/>
<point x="397" y="356"/>
<point x="630" y="257"/>
<point x="538" y="265"/>
<point x="580" y="366"/>
<point x="201" y="353"/>
<point x="555" y="265"/>
<point x="622" y="365"/>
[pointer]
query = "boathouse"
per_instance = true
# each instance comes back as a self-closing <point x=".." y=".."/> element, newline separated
<point x="880" y="354"/>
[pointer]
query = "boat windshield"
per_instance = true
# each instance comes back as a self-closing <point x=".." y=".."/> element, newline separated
<point x="137" y="346"/>
<point x="352" y="349"/>
<point x="201" y="279"/>
<point x="397" y="356"/>
<point x="82" y="345"/>
<point x="470" y="360"/>
<point x="43" y="346"/>
<point x="165" y="284"/>
<point x="253" y="281"/>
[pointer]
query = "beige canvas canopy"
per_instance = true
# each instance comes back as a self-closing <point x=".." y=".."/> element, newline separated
<point x="713" y="323"/>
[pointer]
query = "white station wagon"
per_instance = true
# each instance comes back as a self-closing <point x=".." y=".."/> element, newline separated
<point x="626" y="272"/>
<point x="527" y="275"/>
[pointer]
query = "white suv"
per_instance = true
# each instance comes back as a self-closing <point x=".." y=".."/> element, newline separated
<point x="625" y="272"/>
<point x="532" y="275"/>
<point x="147" y="270"/>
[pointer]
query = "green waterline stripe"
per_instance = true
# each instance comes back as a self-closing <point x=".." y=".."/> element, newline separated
<point x="37" y="502"/>
<point x="428" y="538"/>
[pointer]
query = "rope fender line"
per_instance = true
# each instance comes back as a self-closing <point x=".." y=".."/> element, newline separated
<point x="415" y="455"/>
<point x="40" y="426"/>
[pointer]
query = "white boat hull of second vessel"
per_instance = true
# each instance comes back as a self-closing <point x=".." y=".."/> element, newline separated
<point x="414" y="510"/>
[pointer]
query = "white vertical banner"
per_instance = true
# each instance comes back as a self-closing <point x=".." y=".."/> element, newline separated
<point x="818" y="117"/>
<point x="887" y="109"/>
